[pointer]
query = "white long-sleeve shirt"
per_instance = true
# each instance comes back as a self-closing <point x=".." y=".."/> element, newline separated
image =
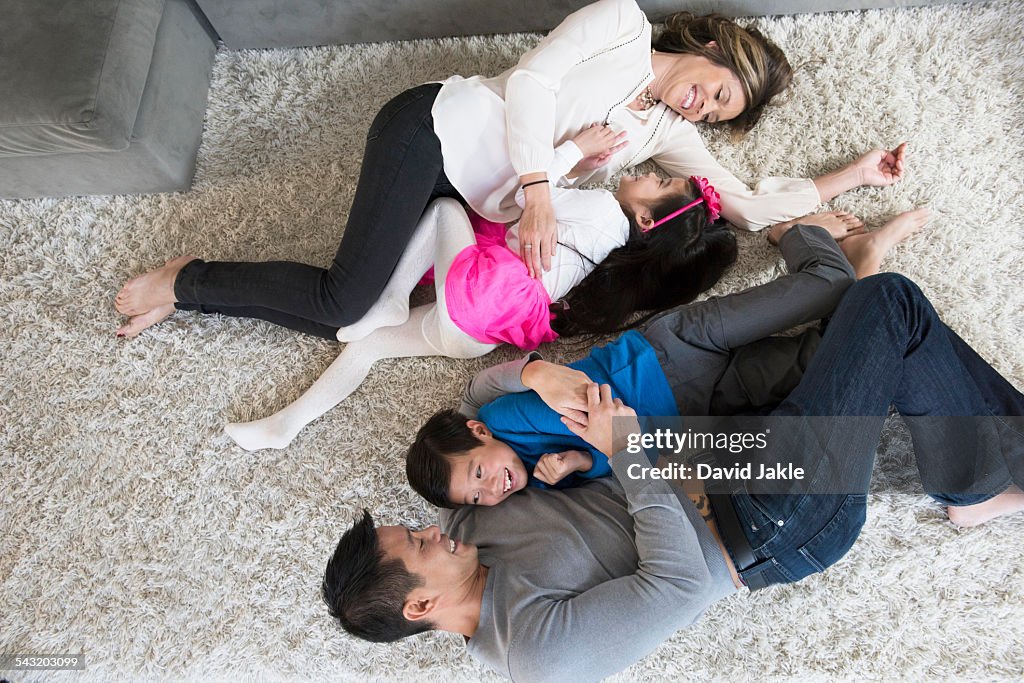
<point x="586" y="71"/>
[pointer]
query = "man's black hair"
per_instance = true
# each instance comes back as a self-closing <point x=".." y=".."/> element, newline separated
<point x="366" y="592"/>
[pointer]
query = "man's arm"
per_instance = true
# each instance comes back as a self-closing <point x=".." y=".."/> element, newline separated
<point x="819" y="275"/>
<point x="631" y="615"/>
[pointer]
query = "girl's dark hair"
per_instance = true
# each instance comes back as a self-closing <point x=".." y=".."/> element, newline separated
<point x="654" y="271"/>
<point x="759" y="64"/>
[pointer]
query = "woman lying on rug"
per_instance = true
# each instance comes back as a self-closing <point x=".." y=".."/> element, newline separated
<point x="479" y="140"/>
<point x="672" y="249"/>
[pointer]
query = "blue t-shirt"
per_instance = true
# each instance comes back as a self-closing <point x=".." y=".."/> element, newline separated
<point x="531" y="428"/>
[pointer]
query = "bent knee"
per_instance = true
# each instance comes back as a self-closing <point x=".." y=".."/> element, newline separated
<point x="889" y="283"/>
<point x="446" y="207"/>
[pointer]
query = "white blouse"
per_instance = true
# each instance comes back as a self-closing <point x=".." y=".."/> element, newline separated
<point x="586" y="71"/>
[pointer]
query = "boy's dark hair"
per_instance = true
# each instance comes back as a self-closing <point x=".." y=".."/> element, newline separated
<point x="366" y="592"/>
<point x="654" y="271"/>
<point x="426" y="464"/>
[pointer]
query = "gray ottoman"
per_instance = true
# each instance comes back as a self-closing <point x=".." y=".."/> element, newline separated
<point x="101" y="96"/>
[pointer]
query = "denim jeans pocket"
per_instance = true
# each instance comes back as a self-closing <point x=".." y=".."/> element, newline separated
<point x="837" y="536"/>
<point x="758" y="526"/>
<point x="394" y="107"/>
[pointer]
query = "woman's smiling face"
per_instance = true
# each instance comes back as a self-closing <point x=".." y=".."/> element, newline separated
<point x="700" y="90"/>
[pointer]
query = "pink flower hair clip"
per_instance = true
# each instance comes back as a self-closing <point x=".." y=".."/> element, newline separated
<point x="708" y="196"/>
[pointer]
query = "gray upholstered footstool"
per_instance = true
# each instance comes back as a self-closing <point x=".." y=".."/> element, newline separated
<point x="101" y="96"/>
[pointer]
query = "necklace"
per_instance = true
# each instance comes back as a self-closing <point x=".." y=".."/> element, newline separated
<point x="646" y="99"/>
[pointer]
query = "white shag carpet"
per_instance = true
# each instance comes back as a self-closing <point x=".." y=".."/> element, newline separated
<point x="131" y="528"/>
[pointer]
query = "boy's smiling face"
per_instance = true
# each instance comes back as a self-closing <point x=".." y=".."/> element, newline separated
<point x="486" y="475"/>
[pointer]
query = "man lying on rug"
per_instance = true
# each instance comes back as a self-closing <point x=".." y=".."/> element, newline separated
<point x="631" y="556"/>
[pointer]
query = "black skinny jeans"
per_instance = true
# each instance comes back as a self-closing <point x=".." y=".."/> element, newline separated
<point x="402" y="173"/>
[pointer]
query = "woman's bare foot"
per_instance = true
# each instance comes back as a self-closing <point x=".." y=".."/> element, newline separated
<point x="840" y="224"/>
<point x="152" y="290"/>
<point x="1009" y="501"/>
<point x="137" y="323"/>
<point x="866" y="251"/>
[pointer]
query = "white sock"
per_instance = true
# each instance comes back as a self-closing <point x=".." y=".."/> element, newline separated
<point x="339" y="380"/>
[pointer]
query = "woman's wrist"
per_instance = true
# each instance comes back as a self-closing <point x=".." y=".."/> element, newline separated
<point x="841" y="180"/>
<point x="536" y="191"/>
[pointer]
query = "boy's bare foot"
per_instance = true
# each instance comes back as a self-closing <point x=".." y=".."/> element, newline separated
<point x="866" y="251"/>
<point x="1009" y="501"/>
<point x="136" y="324"/>
<point x="840" y="224"/>
<point x="152" y="290"/>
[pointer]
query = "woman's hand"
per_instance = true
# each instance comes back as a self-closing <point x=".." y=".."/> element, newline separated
<point x="881" y="167"/>
<point x="538" y="232"/>
<point x="554" y="467"/>
<point x="602" y="409"/>
<point x="563" y="389"/>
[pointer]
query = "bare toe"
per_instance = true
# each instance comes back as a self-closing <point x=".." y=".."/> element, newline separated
<point x="904" y="225"/>
<point x="138" y="323"/>
<point x="151" y="290"/>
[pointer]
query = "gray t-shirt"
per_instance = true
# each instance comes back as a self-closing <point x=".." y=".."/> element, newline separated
<point x="586" y="581"/>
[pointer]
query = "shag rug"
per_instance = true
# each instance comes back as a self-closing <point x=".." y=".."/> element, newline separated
<point x="134" y="531"/>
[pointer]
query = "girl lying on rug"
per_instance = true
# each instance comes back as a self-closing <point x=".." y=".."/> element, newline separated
<point x="657" y="241"/>
<point x="509" y="431"/>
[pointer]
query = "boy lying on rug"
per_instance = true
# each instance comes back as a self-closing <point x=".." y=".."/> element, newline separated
<point x="716" y="355"/>
<point x="622" y="562"/>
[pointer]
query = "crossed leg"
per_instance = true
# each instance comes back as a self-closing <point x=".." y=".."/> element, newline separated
<point x="428" y="331"/>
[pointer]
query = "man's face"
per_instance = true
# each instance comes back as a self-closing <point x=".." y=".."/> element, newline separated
<point x="441" y="563"/>
<point x="486" y="475"/>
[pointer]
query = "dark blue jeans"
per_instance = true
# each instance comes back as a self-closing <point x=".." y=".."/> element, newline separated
<point x="884" y="346"/>
<point x="402" y="173"/>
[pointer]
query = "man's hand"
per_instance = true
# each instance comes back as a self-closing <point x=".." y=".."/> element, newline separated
<point x="563" y="389"/>
<point x="554" y="467"/>
<point x="598" y="144"/>
<point x="601" y="410"/>
<point x="538" y="232"/>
